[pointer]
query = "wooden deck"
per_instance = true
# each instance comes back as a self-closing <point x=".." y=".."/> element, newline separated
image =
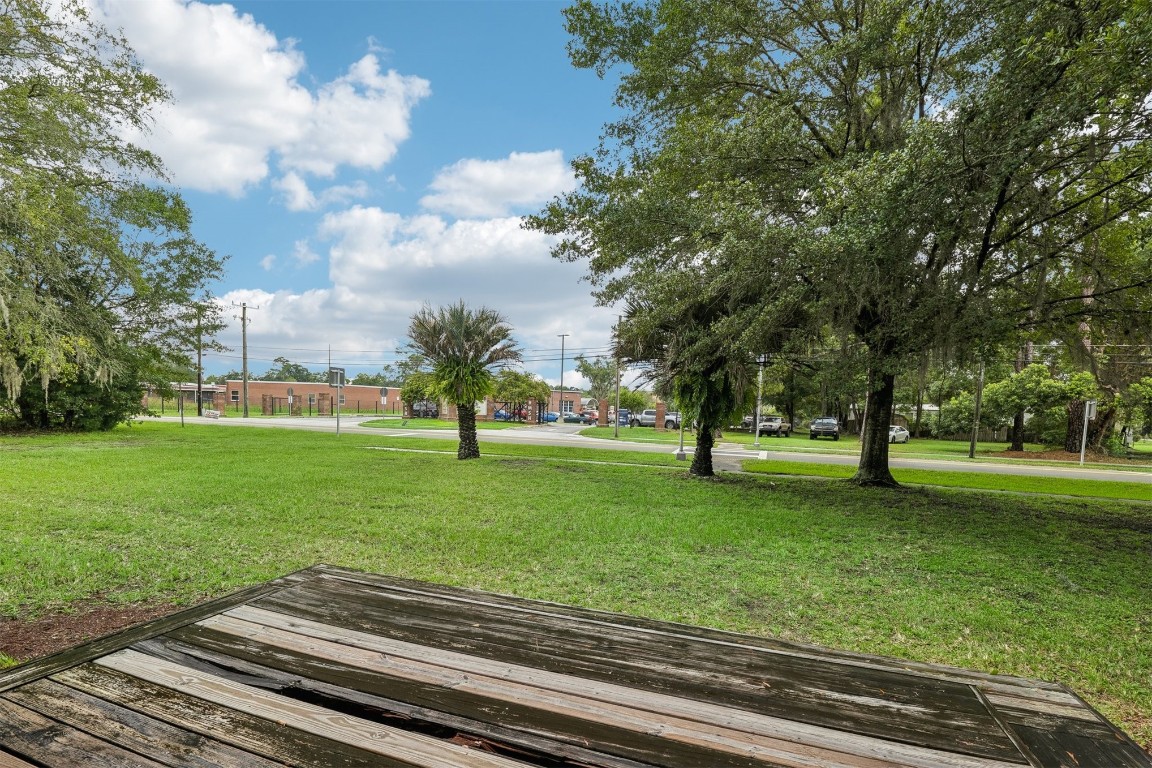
<point x="329" y="667"/>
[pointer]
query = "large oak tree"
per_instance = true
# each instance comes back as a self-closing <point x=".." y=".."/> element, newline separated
<point x="98" y="269"/>
<point x="914" y="173"/>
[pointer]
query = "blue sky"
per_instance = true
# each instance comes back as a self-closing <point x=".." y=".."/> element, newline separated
<point x="356" y="159"/>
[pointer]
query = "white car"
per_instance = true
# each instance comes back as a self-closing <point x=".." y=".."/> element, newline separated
<point x="897" y="434"/>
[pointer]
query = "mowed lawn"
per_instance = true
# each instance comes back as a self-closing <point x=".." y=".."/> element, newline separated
<point x="1058" y="589"/>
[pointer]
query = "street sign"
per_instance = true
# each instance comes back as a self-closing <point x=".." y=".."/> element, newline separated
<point x="1090" y="409"/>
<point x="335" y="377"/>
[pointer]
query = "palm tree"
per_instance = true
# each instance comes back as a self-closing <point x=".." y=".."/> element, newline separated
<point x="463" y="346"/>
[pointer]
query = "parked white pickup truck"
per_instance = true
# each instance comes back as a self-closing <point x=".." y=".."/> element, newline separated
<point x="648" y="419"/>
<point x="775" y="425"/>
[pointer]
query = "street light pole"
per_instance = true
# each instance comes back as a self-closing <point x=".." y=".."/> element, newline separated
<point x="759" y="392"/>
<point x="561" y="406"/>
<point x="616" y="413"/>
<point x="680" y="455"/>
<point x="976" y="414"/>
<point x="244" y="353"/>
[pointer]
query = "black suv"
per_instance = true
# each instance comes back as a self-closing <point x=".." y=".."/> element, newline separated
<point x="824" y="427"/>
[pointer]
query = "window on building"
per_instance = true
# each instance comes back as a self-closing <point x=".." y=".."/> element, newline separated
<point x="341" y="399"/>
<point x="311" y="399"/>
<point x="566" y="406"/>
<point x="235" y="395"/>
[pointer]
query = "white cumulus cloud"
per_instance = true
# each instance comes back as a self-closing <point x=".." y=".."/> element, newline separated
<point x="303" y="254"/>
<point x="486" y="188"/>
<point x="369" y="239"/>
<point x="240" y="106"/>
<point x="384" y="266"/>
<point x="298" y="196"/>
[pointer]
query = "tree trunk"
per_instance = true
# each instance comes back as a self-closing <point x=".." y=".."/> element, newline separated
<point x="921" y="384"/>
<point x="1075" y="426"/>
<point x="1102" y="426"/>
<point x="1023" y="360"/>
<point x="469" y="445"/>
<point x="1017" y="432"/>
<point x="873" y="467"/>
<point x="702" y="459"/>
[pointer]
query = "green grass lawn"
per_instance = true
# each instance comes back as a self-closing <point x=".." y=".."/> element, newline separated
<point x="1051" y="588"/>
<point x="801" y="441"/>
<point x="847" y="445"/>
<point x="1104" y="489"/>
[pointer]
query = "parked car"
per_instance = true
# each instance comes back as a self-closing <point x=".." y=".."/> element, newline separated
<point x="647" y="418"/>
<point x="592" y="416"/>
<point x="425" y="409"/>
<point x="897" y="434"/>
<point x="550" y="417"/>
<point x="775" y="425"/>
<point x="571" y="417"/>
<point x="826" y="426"/>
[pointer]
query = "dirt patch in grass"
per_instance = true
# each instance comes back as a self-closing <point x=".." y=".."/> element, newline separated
<point x="29" y="639"/>
<point x="1095" y="457"/>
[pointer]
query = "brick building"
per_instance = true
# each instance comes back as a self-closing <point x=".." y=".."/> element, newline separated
<point x="309" y="398"/>
<point x="314" y="398"/>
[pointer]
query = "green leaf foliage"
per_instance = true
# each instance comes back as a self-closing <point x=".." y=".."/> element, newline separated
<point x="98" y="269"/>
<point x="911" y="175"/>
<point x="463" y="346"/>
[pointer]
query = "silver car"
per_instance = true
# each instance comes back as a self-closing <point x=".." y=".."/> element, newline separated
<point x="897" y="434"/>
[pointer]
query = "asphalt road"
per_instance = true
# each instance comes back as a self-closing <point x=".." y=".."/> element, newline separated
<point x="566" y="435"/>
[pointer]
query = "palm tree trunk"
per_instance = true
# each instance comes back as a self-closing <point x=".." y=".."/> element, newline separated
<point x="702" y="459"/>
<point x="469" y="445"/>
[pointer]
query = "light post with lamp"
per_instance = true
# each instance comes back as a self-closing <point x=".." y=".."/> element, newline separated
<point x="561" y="406"/>
<point x="759" y="392"/>
<point x="680" y="455"/>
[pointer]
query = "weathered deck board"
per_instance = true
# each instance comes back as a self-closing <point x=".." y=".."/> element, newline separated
<point x="393" y="709"/>
<point x="552" y="692"/>
<point x="229" y="726"/>
<point x="617" y="740"/>
<point x="411" y="749"/>
<point x="328" y="667"/>
<point x="418" y="589"/>
<point x="130" y="729"/>
<point x="727" y="641"/>
<point x="11" y="761"/>
<point x="51" y="743"/>
<point x="864" y="700"/>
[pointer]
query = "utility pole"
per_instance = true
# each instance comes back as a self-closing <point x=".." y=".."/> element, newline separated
<point x="976" y="416"/>
<point x="199" y="362"/>
<point x="759" y="394"/>
<point x="616" y="417"/>
<point x="562" y="336"/>
<point x="244" y="351"/>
